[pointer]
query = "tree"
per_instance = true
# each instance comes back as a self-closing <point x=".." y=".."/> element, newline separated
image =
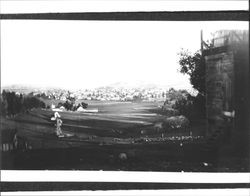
<point x="68" y="105"/>
<point x="194" y="66"/>
<point x="59" y="104"/>
<point x="4" y="103"/>
<point x="13" y="103"/>
<point x="84" y="105"/>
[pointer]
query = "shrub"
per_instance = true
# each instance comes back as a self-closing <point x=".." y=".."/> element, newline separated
<point x="84" y="105"/>
<point x="192" y="107"/>
<point x="176" y="122"/>
<point x="169" y="111"/>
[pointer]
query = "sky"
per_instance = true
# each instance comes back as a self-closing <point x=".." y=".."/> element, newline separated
<point x="89" y="54"/>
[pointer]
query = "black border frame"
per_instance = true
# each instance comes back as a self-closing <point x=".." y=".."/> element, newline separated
<point x="238" y="15"/>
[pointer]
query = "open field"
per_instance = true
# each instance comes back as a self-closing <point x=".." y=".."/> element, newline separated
<point x="116" y="122"/>
<point x="121" y="136"/>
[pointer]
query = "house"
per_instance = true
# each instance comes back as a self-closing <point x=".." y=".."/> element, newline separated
<point x="81" y="109"/>
<point x="53" y="106"/>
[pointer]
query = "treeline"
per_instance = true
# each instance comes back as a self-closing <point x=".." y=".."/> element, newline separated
<point x="13" y="103"/>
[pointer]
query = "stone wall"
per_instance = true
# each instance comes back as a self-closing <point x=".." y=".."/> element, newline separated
<point x="227" y="85"/>
<point x="219" y="85"/>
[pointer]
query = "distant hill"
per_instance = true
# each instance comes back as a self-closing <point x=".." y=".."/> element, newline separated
<point x="18" y="88"/>
<point x="136" y="85"/>
<point x="117" y="85"/>
<point x="25" y="89"/>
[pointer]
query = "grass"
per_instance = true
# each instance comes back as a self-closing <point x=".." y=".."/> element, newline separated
<point x="114" y="120"/>
<point x="100" y="137"/>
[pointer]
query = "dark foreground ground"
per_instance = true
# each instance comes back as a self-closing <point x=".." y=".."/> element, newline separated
<point x="121" y="136"/>
<point x="144" y="157"/>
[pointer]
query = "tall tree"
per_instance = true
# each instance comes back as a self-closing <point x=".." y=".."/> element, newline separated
<point x="194" y="66"/>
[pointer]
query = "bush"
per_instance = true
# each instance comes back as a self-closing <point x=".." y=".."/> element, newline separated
<point x="84" y="105"/>
<point x="184" y="106"/>
<point x="60" y="104"/>
<point x="68" y="105"/>
<point x="193" y="107"/>
<point x="176" y="122"/>
<point x="169" y="111"/>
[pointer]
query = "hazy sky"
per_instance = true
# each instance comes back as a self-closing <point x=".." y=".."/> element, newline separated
<point x="85" y="54"/>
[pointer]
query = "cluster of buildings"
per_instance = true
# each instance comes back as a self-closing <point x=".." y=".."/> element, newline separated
<point x="56" y="94"/>
<point x="107" y="94"/>
<point x="122" y="94"/>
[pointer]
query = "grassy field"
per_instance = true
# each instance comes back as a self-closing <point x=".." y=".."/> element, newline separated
<point x="115" y="122"/>
<point x="99" y="139"/>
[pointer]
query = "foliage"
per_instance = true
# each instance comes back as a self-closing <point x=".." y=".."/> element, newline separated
<point x="184" y="106"/>
<point x="60" y="104"/>
<point x="84" y="105"/>
<point x="193" y="107"/>
<point x="12" y="103"/>
<point x="180" y="102"/>
<point x="177" y="94"/>
<point x="169" y="111"/>
<point x="137" y="98"/>
<point x="194" y="66"/>
<point x="71" y="106"/>
<point x="4" y="105"/>
<point x="68" y="105"/>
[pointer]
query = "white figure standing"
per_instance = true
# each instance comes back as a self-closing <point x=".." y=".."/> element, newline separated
<point x="58" y="127"/>
<point x="58" y="124"/>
